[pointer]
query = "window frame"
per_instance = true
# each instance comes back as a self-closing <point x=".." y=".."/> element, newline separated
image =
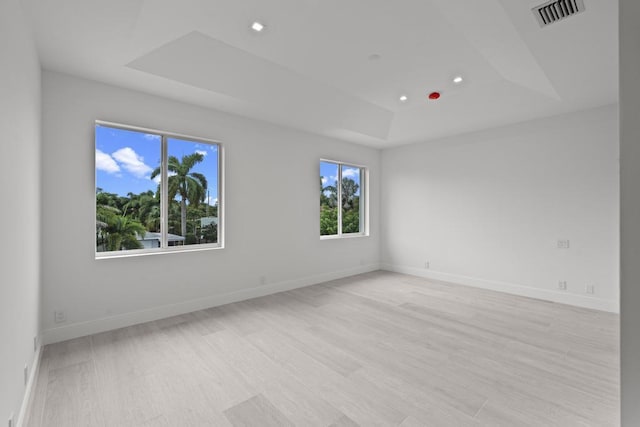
<point x="164" y="193"/>
<point x="364" y="200"/>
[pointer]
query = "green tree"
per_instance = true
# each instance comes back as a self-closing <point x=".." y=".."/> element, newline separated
<point x="107" y="199"/>
<point x="324" y="200"/>
<point x="190" y="186"/>
<point x="328" y="209"/>
<point x="122" y="232"/>
<point x="141" y="206"/>
<point x="350" y="205"/>
<point x="174" y="218"/>
<point x="114" y="231"/>
<point x="332" y="199"/>
<point x="210" y="233"/>
<point x="152" y="219"/>
<point x="349" y="190"/>
<point x="328" y="221"/>
<point x="351" y="221"/>
<point x="105" y="214"/>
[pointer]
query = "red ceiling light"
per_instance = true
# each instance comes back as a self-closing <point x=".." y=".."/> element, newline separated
<point x="434" y="95"/>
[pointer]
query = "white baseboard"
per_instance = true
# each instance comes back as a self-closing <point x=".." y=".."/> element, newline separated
<point x="76" y="330"/>
<point x="26" y="400"/>
<point x="510" y="288"/>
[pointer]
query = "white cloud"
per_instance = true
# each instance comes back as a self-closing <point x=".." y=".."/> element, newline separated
<point x="211" y="200"/>
<point x="105" y="162"/>
<point x="132" y="162"/>
<point x="157" y="179"/>
<point x="211" y="147"/>
<point x="151" y="137"/>
<point x="204" y="153"/>
<point x="324" y="180"/>
<point x="350" y="173"/>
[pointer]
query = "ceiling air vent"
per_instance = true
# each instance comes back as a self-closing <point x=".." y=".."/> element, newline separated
<point x="557" y="10"/>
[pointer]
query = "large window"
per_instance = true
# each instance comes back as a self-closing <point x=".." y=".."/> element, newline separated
<point x="342" y="199"/>
<point x="155" y="191"/>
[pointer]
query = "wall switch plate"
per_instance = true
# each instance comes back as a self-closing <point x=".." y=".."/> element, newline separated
<point x="59" y="316"/>
<point x="563" y="244"/>
<point x="562" y="285"/>
<point x="591" y="289"/>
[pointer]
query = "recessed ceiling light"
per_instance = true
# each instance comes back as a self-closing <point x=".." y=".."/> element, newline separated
<point x="258" y="27"/>
<point x="404" y="98"/>
<point x="457" y="79"/>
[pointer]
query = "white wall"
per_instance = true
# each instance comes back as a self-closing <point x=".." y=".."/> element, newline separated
<point x="272" y="213"/>
<point x="630" y="210"/>
<point x="19" y="216"/>
<point x="487" y="208"/>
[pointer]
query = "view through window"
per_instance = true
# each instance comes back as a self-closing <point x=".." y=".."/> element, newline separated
<point x="130" y="213"/>
<point x="344" y="183"/>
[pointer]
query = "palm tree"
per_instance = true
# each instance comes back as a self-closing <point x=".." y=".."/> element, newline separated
<point x="104" y="214"/>
<point x="152" y="220"/>
<point x="122" y="233"/>
<point x="141" y="206"/>
<point x="115" y="232"/>
<point x="190" y="186"/>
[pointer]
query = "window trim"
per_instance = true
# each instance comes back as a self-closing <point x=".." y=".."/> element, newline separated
<point x="364" y="200"/>
<point x="164" y="193"/>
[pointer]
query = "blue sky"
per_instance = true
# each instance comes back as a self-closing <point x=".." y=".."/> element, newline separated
<point x="329" y="173"/>
<point x="125" y="160"/>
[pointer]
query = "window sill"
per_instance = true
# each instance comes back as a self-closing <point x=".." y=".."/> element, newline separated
<point x="343" y="236"/>
<point x="148" y="252"/>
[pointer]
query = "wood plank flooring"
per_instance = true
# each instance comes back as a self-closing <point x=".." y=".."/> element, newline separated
<point x="378" y="349"/>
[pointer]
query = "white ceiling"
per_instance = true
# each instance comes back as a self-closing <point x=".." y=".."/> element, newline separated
<point x="311" y="69"/>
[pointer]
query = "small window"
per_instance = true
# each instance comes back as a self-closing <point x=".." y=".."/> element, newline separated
<point x="342" y="199"/>
<point x="155" y="191"/>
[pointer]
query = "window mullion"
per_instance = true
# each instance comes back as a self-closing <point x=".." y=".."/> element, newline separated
<point x="339" y="201"/>
<point x="164" y="193"/>
<point x="363" y="200"/>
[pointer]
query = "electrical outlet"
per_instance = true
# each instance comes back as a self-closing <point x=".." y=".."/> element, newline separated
<point x="591" y="289"/>
<point x="427" y="265"/>
<point x="562" y="285"/>
<point x="59" y="316"/>
<point x="26" y="374"/>
<point x="563" y="244"/>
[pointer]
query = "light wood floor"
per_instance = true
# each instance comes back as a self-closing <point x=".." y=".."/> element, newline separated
<point x="375" y="349"/>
